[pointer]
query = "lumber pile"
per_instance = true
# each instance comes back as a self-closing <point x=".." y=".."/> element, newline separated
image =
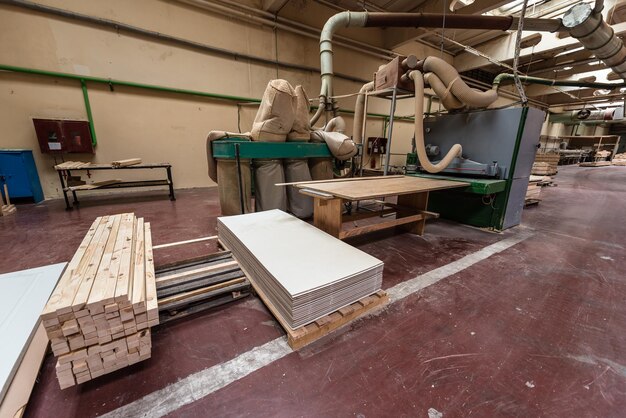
<point x="533" y="192"/>
<point x="552" y="161"/>
<point x="595" y="164"/>
<point x="189" y="287"/>
<point x="98" y="316"/>
<point x="619" y="159"/>
<point x="541" y="169"/>
<point x="69" y="165"/>
<point x="126" y="163"/>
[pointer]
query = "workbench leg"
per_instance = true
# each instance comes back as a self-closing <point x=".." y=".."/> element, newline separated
<point x="327" y="215"/>
<point x="171" y="183"/>
<point x="416" y="202"/>
<point x="67" y="201"/>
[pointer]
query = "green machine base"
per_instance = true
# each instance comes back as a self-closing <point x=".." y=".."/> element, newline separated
<point x="481" y="204"/>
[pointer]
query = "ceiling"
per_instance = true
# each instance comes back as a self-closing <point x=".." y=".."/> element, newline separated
<point x="545" y="56"/>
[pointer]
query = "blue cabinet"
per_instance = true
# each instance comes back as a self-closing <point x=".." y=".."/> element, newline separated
<point x="18" y="170"/>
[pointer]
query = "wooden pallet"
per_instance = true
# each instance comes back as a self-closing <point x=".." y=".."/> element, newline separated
<point x="304" y="335"/>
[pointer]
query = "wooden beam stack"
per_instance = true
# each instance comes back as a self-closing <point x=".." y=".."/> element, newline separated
<point x="105" y="301"/>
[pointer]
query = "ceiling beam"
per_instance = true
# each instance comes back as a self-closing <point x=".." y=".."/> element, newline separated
<point x="273" y="6"/>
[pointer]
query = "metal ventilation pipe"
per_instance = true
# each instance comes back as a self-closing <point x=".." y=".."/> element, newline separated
<point x="586" y="24"/>
<point x="424" y="20"/>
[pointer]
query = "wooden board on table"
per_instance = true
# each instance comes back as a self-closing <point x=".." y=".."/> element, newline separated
<point x="126" y="163"/>
<point x="369" y="188"/>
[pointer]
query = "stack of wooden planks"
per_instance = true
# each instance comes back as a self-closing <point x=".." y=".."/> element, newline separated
<point x="541" y="169"/>
<point x="95" y="185"/>
<point x="595" y="164"/>
<point x="126" y="163"/>
<point x="533" y="192"/>
<point x="69" y="165"/>
<point x="552" y="159"/>
<point x="619" y="159"/>
<point x="98" y="316"/>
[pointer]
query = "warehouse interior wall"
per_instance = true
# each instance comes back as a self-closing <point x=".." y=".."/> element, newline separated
<point x="160" y="126"/>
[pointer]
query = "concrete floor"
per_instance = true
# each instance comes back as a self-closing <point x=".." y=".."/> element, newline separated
<point x="538" y="329"/>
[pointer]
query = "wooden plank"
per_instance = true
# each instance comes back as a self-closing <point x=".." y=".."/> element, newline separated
<point x="100" y="281"/>
<point x="124" y="275"/>
<point x="68" y="292"/>
<point x="327" y="215"/>
<point x="139" y="274"/>
<point x="369" y="188"/>
<point x="89" y="275"/>
<point x="49" y="311"/>
<point x="152" y="305"/>
<point x="108" y="292"/>
<point x="296" y="183"/>
<point x="126" y="162"/>
<point x="412" y="203"/>
<point x="185" y="275"/>
<point x="187" y="295"/>
<point x="379" y="226"/>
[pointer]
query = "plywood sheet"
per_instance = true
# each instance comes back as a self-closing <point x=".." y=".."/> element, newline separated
<point x="23" y="294"/>
<point x="305" y="272"/>
<point x="381" y="187"/>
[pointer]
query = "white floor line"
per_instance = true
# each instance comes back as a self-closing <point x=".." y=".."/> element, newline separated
<point x="205" y="382"/>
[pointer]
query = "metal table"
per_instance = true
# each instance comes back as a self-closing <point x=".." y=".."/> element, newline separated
<point x="66" y="172"/>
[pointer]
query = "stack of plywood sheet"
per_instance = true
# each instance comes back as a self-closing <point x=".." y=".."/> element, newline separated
<point x="24" y="343"/>
<point x="595" y="164"/>
<point x="303" y="272"/>
<point x="541" y="169"/>
<point x="552" y="159"/>
<point x="98" y="316"/>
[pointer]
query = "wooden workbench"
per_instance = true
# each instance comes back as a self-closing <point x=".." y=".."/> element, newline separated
<point x="411" y="207"/>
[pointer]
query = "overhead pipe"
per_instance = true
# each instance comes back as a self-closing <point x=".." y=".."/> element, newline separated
<point x="501" y="78"/>
<point x="425" y="20"/>
<point x="586" y="24"/>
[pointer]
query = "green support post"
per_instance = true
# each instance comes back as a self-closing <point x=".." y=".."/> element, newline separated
<point x="92" y="129"/>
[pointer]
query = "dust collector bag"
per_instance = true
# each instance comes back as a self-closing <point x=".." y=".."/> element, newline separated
<point x="268" y="196"/>
<point x="228" y="187"/>
<point x="299" y="204"/>
<point x="301" y="130"/>
<point x="276" y="114"/>
<point x="341" y="146"/>
<point x="321" y="168"/>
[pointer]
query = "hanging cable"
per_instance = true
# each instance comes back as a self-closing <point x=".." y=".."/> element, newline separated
<point x="518" y="48"/>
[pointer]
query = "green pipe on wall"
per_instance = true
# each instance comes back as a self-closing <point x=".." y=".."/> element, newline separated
<point x="112" y="82"/>
<point x="92" y="129"/>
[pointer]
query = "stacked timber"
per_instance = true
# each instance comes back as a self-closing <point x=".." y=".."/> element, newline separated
<point x="552" y="159"/>
<point x="541" y="169"/>
<point x="619" y="159"/>
<point x="100" y="312"/>
<point x="533" y="192"/>
<point x="595" y="164"/>
<point x="70" y="165"/>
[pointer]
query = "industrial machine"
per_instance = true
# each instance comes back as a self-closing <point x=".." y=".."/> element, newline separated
<point x="493" y="149"/>
<point x="499" y="147"/>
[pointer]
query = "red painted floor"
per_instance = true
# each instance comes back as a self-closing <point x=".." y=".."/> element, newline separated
<point x="537" y="330"/>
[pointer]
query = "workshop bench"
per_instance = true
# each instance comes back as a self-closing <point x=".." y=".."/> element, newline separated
<point x="65" y="173"/>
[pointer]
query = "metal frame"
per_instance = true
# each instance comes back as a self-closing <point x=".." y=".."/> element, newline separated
<point x="145" y="183"/>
